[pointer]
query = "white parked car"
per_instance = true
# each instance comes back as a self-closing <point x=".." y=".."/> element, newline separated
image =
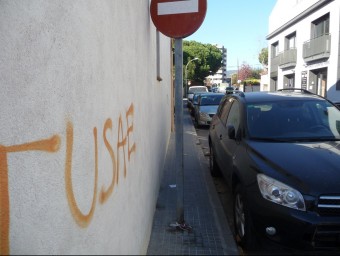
<point x="193" y="89"/>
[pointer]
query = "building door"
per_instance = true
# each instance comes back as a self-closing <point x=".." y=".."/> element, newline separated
<point x="322" y="83"/>
<point x="288" y="81"/>
<point x="273" y="84"/>
<point x="318" y="81"/>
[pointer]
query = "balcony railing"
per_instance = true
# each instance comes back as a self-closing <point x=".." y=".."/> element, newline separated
<point x="288" y="58"/>
<point x="274" y="65"/>
<point x="317" y="48"/>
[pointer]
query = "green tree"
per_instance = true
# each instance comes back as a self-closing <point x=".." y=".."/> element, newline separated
<point x="263" y="57"/>
<point x="210" y="58"/>
<point x="256" y="73"/>
<point x="251" y="81"/>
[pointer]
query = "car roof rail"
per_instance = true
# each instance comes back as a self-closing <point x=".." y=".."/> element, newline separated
<point x="295" y="89"/>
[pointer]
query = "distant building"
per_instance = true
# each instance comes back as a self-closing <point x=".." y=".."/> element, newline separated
<point x="221" y="75"/>
<point x="304" y="46"/>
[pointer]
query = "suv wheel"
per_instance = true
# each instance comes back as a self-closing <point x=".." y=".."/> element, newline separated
<point x="214" y="170"/>
<point x="244" y="233"/>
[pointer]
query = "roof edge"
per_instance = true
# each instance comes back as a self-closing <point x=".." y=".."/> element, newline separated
<point x="299" y="17"/>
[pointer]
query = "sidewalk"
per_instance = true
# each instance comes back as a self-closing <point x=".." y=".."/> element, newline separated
<point x="210" y="233"/>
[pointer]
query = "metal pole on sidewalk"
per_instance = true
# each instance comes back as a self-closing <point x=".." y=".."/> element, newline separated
<point x="179" y="127"/>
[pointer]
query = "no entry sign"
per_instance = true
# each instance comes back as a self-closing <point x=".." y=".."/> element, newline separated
<point x="178" y="18"/>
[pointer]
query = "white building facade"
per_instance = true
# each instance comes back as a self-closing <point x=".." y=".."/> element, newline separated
<point x="86" y="116"/>
<point x="304" y="42"/>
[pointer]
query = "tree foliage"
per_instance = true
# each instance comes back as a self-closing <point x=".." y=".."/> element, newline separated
<point x="244" y="72"/>
<point x="209" y="62"/>
<point x="256" y="73"/>
<point x="251" y="81"/>
<point x="210" y="58"/>
<point x="248" y="75"/>
<point x="263" y="57"/>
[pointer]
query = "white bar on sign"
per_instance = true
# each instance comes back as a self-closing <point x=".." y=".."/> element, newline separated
<point x="177" y="7"/>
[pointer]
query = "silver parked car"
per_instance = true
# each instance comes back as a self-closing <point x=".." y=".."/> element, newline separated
<point x="206" y="107"/>
<point x="193" y="103"/>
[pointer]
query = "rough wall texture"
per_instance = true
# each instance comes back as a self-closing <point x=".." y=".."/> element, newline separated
<point x="84" y="125"/>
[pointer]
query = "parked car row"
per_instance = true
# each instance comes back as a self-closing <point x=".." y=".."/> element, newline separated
<point x="206" y="107"/>
<point x="192" y="103"/>
<point x="280" y="154"/>
<point x="228" y="89"/>
<point x="203" y="106"/>
<point x="195" y="89"/>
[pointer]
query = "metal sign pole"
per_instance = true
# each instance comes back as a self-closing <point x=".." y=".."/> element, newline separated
<point x="179" y="127"/>
<point x="169" y="17"/>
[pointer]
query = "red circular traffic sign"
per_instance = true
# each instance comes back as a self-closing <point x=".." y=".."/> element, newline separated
<point x="178" y="18"/>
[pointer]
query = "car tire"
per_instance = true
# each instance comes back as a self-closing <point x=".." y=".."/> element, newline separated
<point x="214" y="169"/>
<point x="244" y="231"/>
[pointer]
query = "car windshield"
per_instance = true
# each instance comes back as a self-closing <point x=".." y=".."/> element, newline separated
<point x="208" y="100"/>
<point x="294" y="120"/>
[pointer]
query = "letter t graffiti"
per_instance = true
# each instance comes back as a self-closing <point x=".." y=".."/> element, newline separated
<point x="49" y="145"/>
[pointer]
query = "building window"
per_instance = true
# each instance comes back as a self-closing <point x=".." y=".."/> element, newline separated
<point x="320" y="26"/>
<point x="290" y="41"/>
<point x="275" y="49"/>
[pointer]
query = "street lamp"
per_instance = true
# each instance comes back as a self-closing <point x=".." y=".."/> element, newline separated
<point x="186" y="79"/>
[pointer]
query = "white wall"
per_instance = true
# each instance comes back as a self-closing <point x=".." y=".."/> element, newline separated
<point x="285" y="10"/>
<point x="264" y="83"/>
<point x="84" y="125"/>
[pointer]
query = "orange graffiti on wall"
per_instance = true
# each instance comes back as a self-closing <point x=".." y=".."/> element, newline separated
<point x="53" y="145"/>
<point x="105" y="194"/>
<point x="83" y="220"/>
<point x="49" y="145"/>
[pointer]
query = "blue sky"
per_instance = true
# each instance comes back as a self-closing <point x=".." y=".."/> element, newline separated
<point x="241" y="26"/>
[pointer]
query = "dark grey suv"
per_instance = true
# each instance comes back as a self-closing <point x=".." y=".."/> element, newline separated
<point x="280" y="154"/>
